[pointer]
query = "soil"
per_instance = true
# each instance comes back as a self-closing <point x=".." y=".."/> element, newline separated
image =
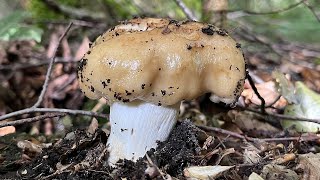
<point x="80" y="155"/>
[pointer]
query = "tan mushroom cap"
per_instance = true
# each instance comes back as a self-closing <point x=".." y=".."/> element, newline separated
<point x="162" y="62"/>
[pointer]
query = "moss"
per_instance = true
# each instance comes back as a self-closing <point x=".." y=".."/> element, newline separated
<point x="40" y="10"/>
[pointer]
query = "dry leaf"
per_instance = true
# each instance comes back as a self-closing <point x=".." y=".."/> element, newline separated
<point x="284" y="158"/>
<point x="205" y="172"/>
<point x="251" y="154"/>
<point x="209" y="141"/>
<point x="273" y="172"/>
<point x="311" y="78"/>
<point x="224" y="153"/>
<point x="93" y="126"/>
<point x="255" y="176"/>
<point x="310" y="165"/>
<point x="29" y="146"/>
<point x="82" y="49"/>
<point x="7" y="130"/>
<point x="248" y="122"/>
<point x="267" y="90"/>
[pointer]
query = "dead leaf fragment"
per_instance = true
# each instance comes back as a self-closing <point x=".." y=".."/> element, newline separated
<point x="267" y="90"/>
<point x="7" y="130"/>
<point x="248" y="122"/>
<point x="251" y="154"/>
<point x="29" y="146"/>
<point x="285" y="158"/>
<point x="255" y="176"/>
<point x="205" y="172"/>
<point x="312" y="78"/>
<point x="274" y="172"/>
<point x="209" y="141"/>
<point x="82" y="49"/>
<point x="93" y="126"/>
<point x="310" y="164"/>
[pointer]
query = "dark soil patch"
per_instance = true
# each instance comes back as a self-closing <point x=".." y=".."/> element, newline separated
<point x="81" y="155"/>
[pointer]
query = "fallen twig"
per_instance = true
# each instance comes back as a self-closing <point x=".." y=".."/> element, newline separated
<point x="221" y="131"/>
<point x="273" y="102"/>
<point x="30" y="120"/>
<point x="269" y="12"/>
<point x="57" y="110"/>
<point x="154" y="166"/>
<point x="306" y="3"/>
<point x="255" y="90"/>
<point x="281" y="116"/>
<point x="186" y="10"/>
<point x="46" y="82"/>
<point x="16" y="67"/>
<point x="239" y="136"/>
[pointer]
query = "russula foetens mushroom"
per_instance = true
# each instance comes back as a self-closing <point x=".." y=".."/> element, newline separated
<point x="145" y="67"/>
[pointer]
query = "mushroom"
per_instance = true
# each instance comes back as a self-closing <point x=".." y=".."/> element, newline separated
<point x="145" y="67"/>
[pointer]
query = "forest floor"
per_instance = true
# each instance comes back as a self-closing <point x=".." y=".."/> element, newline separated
<point x="210" y="141"/>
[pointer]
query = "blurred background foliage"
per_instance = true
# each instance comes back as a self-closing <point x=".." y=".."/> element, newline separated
<point x="295" y="24"/>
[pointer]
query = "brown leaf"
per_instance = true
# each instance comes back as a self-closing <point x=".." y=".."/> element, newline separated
<point x="93" y="126"/>
<point x="273" y="172"/>
<point x="312" y="78"/>
<point x="7" y="130"/>
<point x="29" y="146"/>
<point x="310" y="165"/>
<point x="248" y="122"/>
<point x="267" y="90"/>
<point x="285" y="158"/>
<point x="82" y="49"/>
<point x="58" y="88"/>
<point x="54" y="39"/>
<point x="251" y="154"/>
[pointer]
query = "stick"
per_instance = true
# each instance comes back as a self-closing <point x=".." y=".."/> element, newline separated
<point x="251" y="139"/>
<point x="281" y="116"/>
<point x="30" y="120"/>
<point x="186" y="10"/>
<point x="270" y="12"/>
<point x="56" y="110"/>
<point x="306" y="3"/>
<point x="16" y="67"/>
<point x="254" y="88"/>
<point x="46" y="82"/>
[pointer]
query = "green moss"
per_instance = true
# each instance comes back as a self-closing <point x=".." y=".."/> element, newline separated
<point x="40" y="11"/>
<point x="116" y="9"/>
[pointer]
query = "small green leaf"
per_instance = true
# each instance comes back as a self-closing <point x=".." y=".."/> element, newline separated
<point x="285" y="87"/>
<point x="12" y="28"/>
<point x="10" y="22"/>
<point x="307" y="106"/>
<point x="27" y="33"/>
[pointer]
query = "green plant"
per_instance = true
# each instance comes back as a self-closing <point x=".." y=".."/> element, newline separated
<point x="13" y="28"/>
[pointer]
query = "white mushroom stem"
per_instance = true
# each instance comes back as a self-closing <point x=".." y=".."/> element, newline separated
<point x="136" y="127"/>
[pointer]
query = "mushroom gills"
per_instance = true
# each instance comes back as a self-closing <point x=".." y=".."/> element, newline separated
<point x="137" y="126"/>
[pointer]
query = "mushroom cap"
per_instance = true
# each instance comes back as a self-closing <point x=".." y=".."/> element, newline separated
<point x="162" y="61"/>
